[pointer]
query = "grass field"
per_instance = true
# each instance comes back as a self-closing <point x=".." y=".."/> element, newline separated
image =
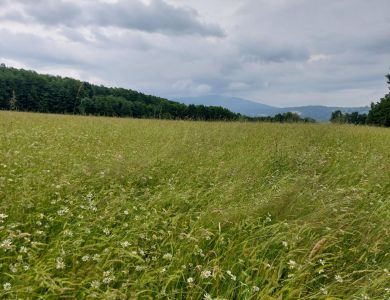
<point x="143" y="209"/>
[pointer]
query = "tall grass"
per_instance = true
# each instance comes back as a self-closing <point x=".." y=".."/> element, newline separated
<point x="143" y="209"/>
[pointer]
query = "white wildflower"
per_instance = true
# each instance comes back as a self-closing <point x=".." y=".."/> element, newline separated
<point x="108" y="277"/>
<point x="168" y="256"/>
<point x="292" y="264"/>
<point x="13" y="268"/>
<point x="95" y="284"/>
<point x="23" y="249"/>
<point x="233" y="277"/>
<point x="338" y="278"/>
<point x="205" y="274"/>
<point x="106" y="231"/>
<point x="85" y="258"/>
<point x="190" y="280"/>
<point x="126" y="212"/>
<point x="3" y="216"/>
<point x="207" y="297"/>
<point x="7" y="286"/>
<point x="163" y="270"/>
<point x="255" y="289"/>
<point x="63" y="211"/>
<point x="68" y="233"/>
<point x="139" y="268"/>
<point x="92" y="208"/>
<point x="198" y="251"/>
<point x="125" y="244"/>
<point x="268" y="219"/>
<point x="60" y="263"/>
<point x="96" y="257"/>
<point x="108" y="280"/>
<point x="285" y="244"/>
<point x="26" y="267"/>
<point x="6" y="244"/>
<point x="89" y="196"/>
<point x="322" y="262"/>
<point x="324" y="291"/>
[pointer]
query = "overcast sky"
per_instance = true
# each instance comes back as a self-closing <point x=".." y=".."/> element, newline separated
<point x="278" y="52"/>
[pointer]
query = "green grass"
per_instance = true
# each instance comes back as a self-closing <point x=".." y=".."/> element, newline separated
<point x="144" y="209"/>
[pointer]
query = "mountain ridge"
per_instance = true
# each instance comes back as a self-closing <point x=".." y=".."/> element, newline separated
<point x="250" y="108"/>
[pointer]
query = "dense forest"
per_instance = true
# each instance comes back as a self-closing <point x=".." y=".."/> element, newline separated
<point x="28" y="91"/>
<point x="24" y="90"/>
<point x="378" y="115"/>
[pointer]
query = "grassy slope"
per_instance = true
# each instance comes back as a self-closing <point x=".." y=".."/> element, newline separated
<point x="252" y="199"/>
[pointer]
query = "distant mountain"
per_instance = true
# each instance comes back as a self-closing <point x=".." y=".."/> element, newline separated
<point x="250" y="108"/>
<point x="323" y="113"/>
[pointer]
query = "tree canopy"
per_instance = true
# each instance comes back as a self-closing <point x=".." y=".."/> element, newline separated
<point x="378" y="115"/>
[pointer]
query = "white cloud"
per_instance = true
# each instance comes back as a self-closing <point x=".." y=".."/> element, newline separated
<point x="317" y="58"/>
<point x="188" y="86"/>
<point x="238" y="85"/>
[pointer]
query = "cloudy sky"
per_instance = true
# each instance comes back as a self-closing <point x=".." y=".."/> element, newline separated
<point x="278" y="52"/>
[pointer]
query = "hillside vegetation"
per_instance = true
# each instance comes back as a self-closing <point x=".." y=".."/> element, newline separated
<point x="148" y="209"/>
<point x="23" y="90"/>
<point x="26" y="90"/>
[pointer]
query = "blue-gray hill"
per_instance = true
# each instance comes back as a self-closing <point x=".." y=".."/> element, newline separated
<point x="254" y="109"/>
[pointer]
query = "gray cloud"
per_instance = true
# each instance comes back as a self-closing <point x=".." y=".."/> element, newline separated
<point x="30" y="47"/>
<point x="279" y="52"/>
<point x="257" y="49"/>
<point x="157" y="16"/>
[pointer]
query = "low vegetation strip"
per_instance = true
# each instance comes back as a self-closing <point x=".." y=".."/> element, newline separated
<point x="105" y="208"/>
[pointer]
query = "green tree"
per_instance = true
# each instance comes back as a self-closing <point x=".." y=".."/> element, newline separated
<point x="380" y="111"/>
<point x="13" y="103"/>
<point x="338" y="117"/>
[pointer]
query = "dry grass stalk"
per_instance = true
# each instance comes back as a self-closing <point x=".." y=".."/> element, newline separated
<point x="316" y="248"/>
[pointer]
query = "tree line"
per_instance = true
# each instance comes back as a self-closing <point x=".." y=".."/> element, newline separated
<point x="287" y="117"/>
<point x="26" y="90"/>
<point x="378" y="115"/>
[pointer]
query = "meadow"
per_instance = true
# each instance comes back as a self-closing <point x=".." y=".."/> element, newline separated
<point x="107" y="208"/>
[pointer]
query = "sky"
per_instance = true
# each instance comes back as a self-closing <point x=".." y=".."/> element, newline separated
<point x="277" y="52"/>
